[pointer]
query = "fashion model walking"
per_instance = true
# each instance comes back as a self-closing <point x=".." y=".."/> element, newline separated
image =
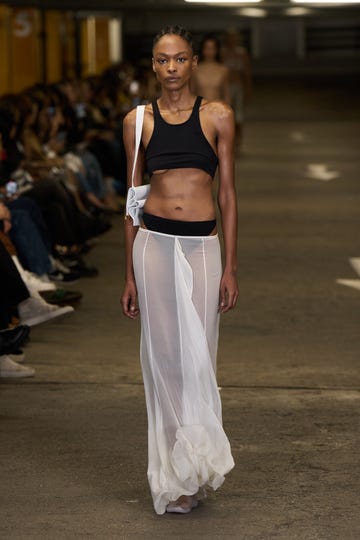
<point x="236" y="58"/>
<point x="211" y="78"/>
<point x="174" y="277"/>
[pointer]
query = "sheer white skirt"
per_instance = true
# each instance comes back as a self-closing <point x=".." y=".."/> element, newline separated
<point x="178" y="282"/>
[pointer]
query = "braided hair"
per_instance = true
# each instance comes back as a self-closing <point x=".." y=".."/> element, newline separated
<point x="175" y="30"/>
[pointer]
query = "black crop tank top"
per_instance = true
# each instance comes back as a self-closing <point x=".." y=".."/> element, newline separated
<point x="179" y="146"/>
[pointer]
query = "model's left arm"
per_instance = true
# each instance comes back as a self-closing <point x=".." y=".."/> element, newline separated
<point x="225" y="127"/>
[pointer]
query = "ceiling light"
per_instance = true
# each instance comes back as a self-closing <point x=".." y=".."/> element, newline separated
<point x="297" y="11"/>
<point x="252" y="12"/>
<point x="223" y="1"/>
<point x="326" y="2"/>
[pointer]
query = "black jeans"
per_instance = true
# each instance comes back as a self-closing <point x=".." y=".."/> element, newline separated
<point x="66" y="224"/>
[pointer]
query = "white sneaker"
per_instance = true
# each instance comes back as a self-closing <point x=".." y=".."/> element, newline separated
<point x="10" y="369"/>
<point x="58" y="265"/>
<point x="355" y="263"/>
<point x="18" y="356"/>
<point x="35" y="311"/>
<point x="32" y="281"/>
<point x="38" y="283"/>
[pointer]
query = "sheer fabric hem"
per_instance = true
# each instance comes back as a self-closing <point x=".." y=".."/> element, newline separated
<point x="198" y="460"/>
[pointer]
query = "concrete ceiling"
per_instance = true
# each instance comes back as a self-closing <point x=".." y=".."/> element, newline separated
<point x="273" y="7"/>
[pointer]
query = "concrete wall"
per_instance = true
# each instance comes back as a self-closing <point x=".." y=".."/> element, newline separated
<point x="275" y="43"/>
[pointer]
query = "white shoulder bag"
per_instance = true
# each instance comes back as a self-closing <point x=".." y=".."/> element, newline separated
<point x="137" y="195"/>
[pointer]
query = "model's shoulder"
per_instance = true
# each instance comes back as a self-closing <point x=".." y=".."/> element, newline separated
<point x="149" y="109"/>
<point x="217" y="109"/>
<point x="130" y="118"/>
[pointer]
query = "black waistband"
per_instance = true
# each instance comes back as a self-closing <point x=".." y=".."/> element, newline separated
<point x="177" y="227"/>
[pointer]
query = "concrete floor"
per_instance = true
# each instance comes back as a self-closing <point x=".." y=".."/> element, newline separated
<point x="73" y="439"/>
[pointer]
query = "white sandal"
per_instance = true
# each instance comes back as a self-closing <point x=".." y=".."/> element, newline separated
<point x="174" y="508"/>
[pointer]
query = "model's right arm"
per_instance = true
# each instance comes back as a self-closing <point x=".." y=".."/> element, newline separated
<point x="247" y="79"/>
<point x="129" y="296"/>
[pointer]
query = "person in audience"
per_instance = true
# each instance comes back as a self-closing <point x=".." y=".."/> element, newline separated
<point x="15" y="296"/>
<point x="61" y="158"/>
<point x="32" y="252"/>
<point x="94" y="132"/>
<point x="10" y="342"/>
<point x="68" y="227"/>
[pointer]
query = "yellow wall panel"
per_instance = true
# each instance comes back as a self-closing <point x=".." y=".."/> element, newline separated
<point x="102" y="44"/>
<point x="53" y="31"/>
<point x="68" y="45"/>
<point x="22" y="53"/>
<point x="88" y="46"/>
<point x="95" y="45"/>
<point x="4" y="49"/>
<point x="24" y="44"/>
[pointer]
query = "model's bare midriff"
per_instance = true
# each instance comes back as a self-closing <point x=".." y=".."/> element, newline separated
<point x="183" y="194"/>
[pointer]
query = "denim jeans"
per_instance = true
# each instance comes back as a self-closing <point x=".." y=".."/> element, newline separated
<point x="28" y="234"/>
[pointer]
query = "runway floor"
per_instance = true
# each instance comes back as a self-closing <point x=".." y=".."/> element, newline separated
<point x="73" y="439"/>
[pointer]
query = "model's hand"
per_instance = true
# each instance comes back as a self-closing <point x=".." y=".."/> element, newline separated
<point x="128" y="300"/>
<point x="229" y="291"/>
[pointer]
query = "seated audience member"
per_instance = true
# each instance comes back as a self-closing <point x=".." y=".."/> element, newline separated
<point x="62" y="175"/>
<point x="67" y="226"/>
<point x="30" y="307"/>
<point x="10" y="342"/>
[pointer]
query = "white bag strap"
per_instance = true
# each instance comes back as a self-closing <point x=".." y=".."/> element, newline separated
<point x="140" y="109"/>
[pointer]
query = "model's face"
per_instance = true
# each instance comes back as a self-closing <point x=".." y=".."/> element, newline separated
<point x="173" y="62"/>
<point x="209" y="50"/>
